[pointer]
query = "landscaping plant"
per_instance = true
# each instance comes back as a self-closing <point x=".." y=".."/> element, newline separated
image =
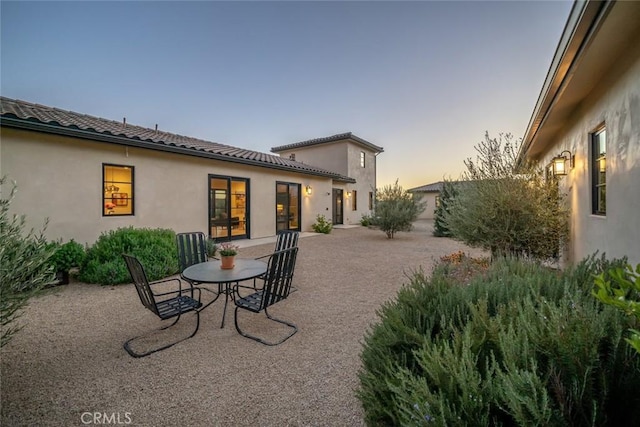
<point x="67" y="255"/>
<point x="25" y="266"/>
<point x="507" y="207"/>
<point x="155" y="248"/>
<point x="620" y="288"/>
<point x="322" y="225"/>
<point x="446" y="196"/>
<point x="518" y="345"/>
<point x="396" y="209"/>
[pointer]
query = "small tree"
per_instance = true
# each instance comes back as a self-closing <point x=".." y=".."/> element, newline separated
<point x="24" y="265"/>
<point x="396" y="209"/>
<point x="447" y="194"/>
<point x="508" y="208"/>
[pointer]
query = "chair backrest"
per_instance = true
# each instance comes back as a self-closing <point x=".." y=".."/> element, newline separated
<point x="192" y="249"/>
<point x="286" y="240"/>
<point x="139" y="278"/>
<point x="277" y="284"/>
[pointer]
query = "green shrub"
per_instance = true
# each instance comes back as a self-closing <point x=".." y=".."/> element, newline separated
<point x="24" y="265"/>
<point x="367" y="220"/>
<point x="322" y="225"/>
<point x="212" y="247"/>
<point x="155" y="248"/>
<point x="67" y="255"/>
<point x="620" y="288"/>
<point x="396" y="209"/>
<point x="520" y="345"/>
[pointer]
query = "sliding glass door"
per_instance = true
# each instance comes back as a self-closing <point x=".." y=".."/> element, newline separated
<point x="287" y="206"/>
<point x="228" y="207"/>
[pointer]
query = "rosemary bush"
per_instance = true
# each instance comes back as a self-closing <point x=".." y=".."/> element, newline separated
<point x="519" y="345"/>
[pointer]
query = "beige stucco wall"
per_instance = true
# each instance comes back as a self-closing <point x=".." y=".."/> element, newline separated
<point x="430" y="207"/>
<point x="330" y="156"/>
<point x="616" y="103"/>
<point x="60" y="178"/>
<point x="343" y="157"/>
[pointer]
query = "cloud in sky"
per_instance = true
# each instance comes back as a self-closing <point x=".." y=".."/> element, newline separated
<point x="424" y="80"/>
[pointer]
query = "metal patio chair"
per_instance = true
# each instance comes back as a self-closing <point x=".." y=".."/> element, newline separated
<point x="285" y="240"/>
<point x="277" y="287"/>
<point x="192" y="249"/>
<point x="165" y="305"/>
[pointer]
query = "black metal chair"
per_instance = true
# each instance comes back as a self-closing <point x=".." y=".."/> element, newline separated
<point x="277" y="286"/>
<point x="192" y="249"/>
<point x="165" y="305"/>
<point x="286" y="240"/>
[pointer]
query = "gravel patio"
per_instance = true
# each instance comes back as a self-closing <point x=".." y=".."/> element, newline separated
<point x="69" y="361"/>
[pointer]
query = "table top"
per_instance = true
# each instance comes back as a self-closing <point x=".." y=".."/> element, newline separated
<point x="210" y="271"/>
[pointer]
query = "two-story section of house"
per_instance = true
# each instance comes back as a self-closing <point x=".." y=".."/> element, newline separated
<point x="348" y="155"/>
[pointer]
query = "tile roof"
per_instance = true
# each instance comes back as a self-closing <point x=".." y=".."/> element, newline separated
<point x="434" y="187"/>
<point x="26" y="115"/>
<point x="327" y="139"/>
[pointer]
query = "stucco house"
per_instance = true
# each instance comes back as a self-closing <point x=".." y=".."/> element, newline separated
<point x="349" y="156"/>
<point x="88" y="175"/>
<point x="428" y="194"/>
<point x="585" y="127"/>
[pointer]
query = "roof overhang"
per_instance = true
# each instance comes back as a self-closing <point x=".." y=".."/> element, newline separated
<point x="37" y="126"/>
<point x="596" y="35"/>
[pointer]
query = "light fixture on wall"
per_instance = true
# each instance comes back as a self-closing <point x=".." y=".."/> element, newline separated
<point x="308" y="189"/>
<point x="559" y="163"/>
<point x="348" y="193"/>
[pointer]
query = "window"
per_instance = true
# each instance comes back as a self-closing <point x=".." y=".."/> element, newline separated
<point x="362" y="159"/>
<point x="292" y="156"/>
<point x="117" y="185"/>
<point x="599" y="174"/>
<point x="355" y="200"/>
<point x="370" y="200"/>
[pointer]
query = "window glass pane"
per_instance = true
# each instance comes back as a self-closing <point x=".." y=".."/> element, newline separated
<point x="294" y="191"/>
<point x="117" y="190"/>
<point x="599" y="172"/>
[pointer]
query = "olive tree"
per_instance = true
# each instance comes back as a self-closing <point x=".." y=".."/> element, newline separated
<point x="24" y="265"/>
<point x="506" y="207"/>
<point x="396" y="209"/>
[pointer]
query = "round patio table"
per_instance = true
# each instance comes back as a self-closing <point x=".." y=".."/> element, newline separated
<point x="210" y="272"/>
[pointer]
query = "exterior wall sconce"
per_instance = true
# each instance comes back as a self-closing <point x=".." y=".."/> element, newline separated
<point x="308" y="190"/>
<point x="559" y="163"/>
<point x="348" y="193"/>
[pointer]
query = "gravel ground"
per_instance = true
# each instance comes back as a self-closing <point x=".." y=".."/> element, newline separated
<point x="68" y="366"/>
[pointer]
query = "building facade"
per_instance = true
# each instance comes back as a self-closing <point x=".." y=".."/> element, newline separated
<point x="587" y="122"/>
<point x="89" y="175"/>
<point x="347" y="155"/>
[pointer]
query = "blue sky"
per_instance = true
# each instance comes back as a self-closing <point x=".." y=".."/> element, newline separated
<point x="425" y="80"/>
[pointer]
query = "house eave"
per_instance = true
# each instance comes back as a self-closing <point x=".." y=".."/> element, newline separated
<point x="583" y="23"/>
<point x="36" y="126"/>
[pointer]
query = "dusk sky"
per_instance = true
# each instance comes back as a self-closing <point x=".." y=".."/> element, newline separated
<point x="424" y="80"/>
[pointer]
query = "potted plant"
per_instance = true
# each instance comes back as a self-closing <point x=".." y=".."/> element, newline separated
<point x="228" y="253"/>
<point x="68" y="255"/>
